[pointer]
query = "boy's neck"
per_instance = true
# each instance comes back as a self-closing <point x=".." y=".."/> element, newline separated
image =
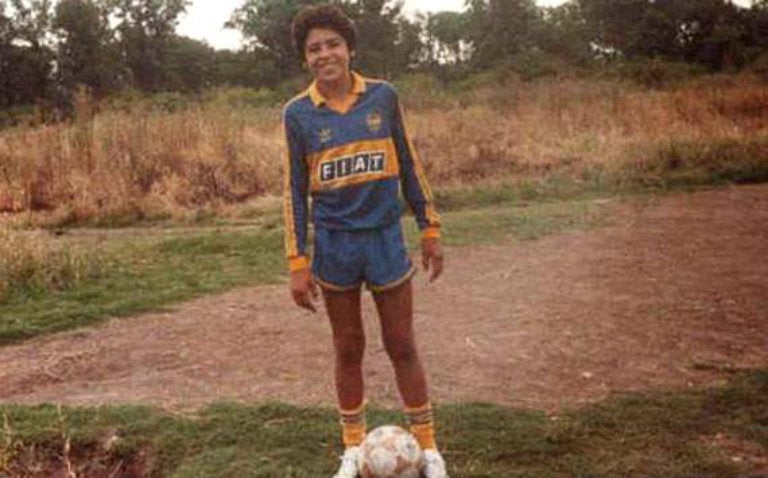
<point x="336" y="90"/>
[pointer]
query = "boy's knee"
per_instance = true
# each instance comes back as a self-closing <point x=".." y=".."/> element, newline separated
<point x="350" y="349"/>
<point x="401" y="349"/>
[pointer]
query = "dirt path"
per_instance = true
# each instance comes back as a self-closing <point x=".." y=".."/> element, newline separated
<point x="674" y="294"/>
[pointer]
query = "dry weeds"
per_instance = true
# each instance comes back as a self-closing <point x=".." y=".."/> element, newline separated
<point x="32" y="260"/>
<point x="124" y="165"/>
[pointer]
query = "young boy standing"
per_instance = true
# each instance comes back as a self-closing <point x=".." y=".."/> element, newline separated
<point x="349" y="151"/>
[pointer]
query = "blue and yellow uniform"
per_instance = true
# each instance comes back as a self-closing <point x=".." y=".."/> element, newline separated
<point x="353" y="162"/>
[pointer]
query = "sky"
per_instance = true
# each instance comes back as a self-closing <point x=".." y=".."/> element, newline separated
<point x="204" y="19"/>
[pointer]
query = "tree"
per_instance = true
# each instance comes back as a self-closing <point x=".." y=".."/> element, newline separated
<point x="714" y="33"/>
<point x="717" y="33"/>
<point x="565" y="33"/>
<point x="447" y="37"/>
<point x="190" y="65"/>
<point x="7" y="36"/>
<point x="501" y="29"/>
<point x="32" y="20"/>
<point x="265" y="26"/>
<point x="145" y="29"/>
<point x="387" y="43"/>
<point x="87" y="52"/>
<point x="254" y="69"/>
<point x="758" y="25"/>
<point x="26" y="58"/>
<point x="614" y="23"/>
<point x="377" y="34"/>
<point x="409" y="47"/>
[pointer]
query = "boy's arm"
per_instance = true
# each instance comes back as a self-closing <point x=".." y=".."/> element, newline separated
<point x="295" y="191"/>
<point x="418" y="195"/>
<point x="414" y="183"/>
<point x="296" y="187"/>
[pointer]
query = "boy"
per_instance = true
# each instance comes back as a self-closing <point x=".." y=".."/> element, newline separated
<point x="348" y="150"/>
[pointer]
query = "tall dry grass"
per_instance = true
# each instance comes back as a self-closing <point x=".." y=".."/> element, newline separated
<point x="32" y="261"/>
<point x="570" y="125"/>
<point x="120" y="166"/>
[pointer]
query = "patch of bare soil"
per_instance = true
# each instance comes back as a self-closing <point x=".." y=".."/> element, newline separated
<point x="673" y="294"/>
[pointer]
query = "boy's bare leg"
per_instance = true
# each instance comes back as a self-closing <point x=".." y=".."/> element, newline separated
<point x="349" y="345"/>
<point x="395" y="308"/>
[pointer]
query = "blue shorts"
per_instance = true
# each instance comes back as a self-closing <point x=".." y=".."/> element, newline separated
<point x="343" y="260"/>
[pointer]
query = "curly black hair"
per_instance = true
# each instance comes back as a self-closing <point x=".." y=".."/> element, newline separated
<point x="322" y="16"/>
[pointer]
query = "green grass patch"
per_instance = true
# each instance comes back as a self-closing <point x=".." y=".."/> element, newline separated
<point x="524" y="221"/>
<point x="142" y="272"/>
<point x="145" y="274"/>
<point x="654" y="434"/>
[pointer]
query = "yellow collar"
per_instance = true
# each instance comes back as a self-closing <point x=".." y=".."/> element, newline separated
<point x="358" y="88"/>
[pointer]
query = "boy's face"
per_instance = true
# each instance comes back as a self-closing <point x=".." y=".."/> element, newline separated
<point x="327" y="55"/>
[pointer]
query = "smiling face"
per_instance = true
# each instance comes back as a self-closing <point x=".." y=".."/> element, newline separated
<point x="327" y="55"/>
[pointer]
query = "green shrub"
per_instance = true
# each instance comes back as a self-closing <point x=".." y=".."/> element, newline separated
<point x="651" y="73"/>
<point x="240" y="98"/>
<point x="170" y="102"/>
<point x="530" y="65"/>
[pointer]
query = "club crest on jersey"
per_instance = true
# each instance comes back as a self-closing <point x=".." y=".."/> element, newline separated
<point x="373" y="120"/>
<point x="325" y="135"/>
<point x="353" y="165"/>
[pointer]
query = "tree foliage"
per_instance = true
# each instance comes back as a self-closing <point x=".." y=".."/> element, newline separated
<point x="388" y="41"/>
<point x="51" y="48"/>
<point x="447" y="37"/>
<point x="145" y="29"/>
<point x="25" y="56"/>
<point x="565" y="32"/>
<point x="501" y="29"/>
<point x="714" y="33"/>
<point x="88" y="53"/>
<point x="377" y="27"/>
<point x="265" y="26"/>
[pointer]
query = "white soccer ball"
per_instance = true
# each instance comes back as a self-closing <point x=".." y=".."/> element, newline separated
<point x="390" y="452"/>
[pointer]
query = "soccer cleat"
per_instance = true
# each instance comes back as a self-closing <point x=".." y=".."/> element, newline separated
<point x="434" y="465"/>
<point x="349" y="461"/>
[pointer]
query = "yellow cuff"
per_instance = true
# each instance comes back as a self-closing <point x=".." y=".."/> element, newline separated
<point x="425" y="435"/>
<point x="422" y="408"/>
<point x="353" y="435"/>
<point x="298" y="263"/>
<point x="431" y="232"/>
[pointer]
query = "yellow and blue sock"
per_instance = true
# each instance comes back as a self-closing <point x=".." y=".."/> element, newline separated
<point x="353" y="427"/>
<point x="422" y="425"/>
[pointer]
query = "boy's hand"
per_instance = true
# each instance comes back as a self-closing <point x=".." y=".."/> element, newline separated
<point x="304" y="289"/>
<point x="432" y="257"/>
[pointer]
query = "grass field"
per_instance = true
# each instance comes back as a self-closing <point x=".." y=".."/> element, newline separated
<point x="719" y="432"/>
<point x="177" y="205"/>
<point x="716" y="432"/>
<point x="141" y="270"/>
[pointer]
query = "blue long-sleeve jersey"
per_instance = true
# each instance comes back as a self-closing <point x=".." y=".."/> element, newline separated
<point x="353" y="165"/>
